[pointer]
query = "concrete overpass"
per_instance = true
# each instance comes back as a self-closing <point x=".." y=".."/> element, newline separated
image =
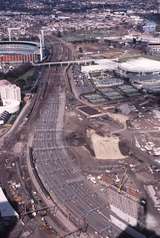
<point x="65" y="63"/>
<point x="107" y="63"/>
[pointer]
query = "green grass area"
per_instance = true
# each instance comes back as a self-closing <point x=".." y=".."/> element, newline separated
<point x="26" y="75"/>
<point x="26" y="81"/>
<point x="12" y="118"/>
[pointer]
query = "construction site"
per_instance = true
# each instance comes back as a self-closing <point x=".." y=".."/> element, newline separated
<point x="119" y="148"/>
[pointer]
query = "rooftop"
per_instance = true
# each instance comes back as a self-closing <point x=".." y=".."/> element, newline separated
<point x="102" y="65"/>
<point x="141" y="64"/>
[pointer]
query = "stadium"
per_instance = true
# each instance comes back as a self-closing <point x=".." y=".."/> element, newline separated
<point x="20" y="52"/>
<point x="140" y="65"/>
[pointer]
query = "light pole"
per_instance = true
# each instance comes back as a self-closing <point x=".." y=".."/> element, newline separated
<point x="10" y="31"/>
<point x="41" y="47"/>
<point x="42" y="35"/>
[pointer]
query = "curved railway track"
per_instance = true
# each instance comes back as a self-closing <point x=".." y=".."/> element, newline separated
<point x="61" y="179"/>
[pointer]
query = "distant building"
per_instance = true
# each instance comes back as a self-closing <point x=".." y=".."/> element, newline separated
<point x="153" y="49"/>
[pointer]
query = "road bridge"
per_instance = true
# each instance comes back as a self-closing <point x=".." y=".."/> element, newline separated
<point x="66" y="63"/>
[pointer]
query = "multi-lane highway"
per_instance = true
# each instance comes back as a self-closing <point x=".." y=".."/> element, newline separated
<point x="67" y="188"/>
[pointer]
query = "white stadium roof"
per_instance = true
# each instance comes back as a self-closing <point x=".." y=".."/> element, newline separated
<point x="141" y="64"/>
<point x="138" y="65"/>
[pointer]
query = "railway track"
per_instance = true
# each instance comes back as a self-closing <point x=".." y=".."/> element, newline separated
<point x="68" y="190"/>
<point x="52" y="82"/>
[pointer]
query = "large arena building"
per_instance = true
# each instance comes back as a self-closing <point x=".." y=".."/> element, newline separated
<point x="140" y="65"/>
<point x="20" y="52"/>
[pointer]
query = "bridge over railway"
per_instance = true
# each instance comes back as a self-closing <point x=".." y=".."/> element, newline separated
<point x="66" y="63"/>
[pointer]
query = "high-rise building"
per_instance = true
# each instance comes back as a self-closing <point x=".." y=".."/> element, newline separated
<point x="10" y="92"/>
<point x="11" y="98"/>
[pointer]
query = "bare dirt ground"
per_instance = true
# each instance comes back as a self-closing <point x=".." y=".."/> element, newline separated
<point x="102" y="50"/>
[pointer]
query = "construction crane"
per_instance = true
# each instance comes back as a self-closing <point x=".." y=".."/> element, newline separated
<point x="34" y="211"/>
<point x="42" y="44"/>
<point x="123" y="180"/>
<point x="41" y="47"/>
<point x="42" y="34"/>
<point x="10" y="31"/>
